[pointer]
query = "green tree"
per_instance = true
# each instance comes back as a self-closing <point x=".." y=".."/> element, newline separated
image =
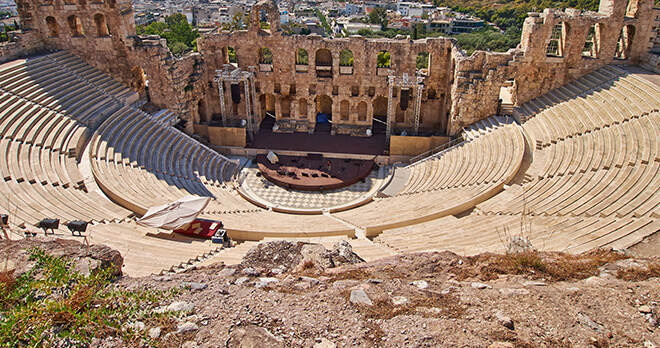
<point x="378" y="16"/>
<point x="178" y="48"/>
<point x="346" y="58"/>
<point x="422" y="60"/>
<point x="384" y="59"/>
<point x="303" y="56"/>
<point x="231" y="52"/>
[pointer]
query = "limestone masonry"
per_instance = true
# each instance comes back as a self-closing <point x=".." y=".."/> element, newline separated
<point x="556" y="47"/>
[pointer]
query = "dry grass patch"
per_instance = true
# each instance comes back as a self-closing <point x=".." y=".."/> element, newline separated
<point x="638" y="274"/>
<point x="551" y="266"/>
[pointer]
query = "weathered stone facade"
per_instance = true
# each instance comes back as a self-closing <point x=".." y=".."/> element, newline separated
<point x="457" y="90"/>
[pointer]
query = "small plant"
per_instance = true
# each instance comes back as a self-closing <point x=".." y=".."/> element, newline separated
<point x="52" y="302"/>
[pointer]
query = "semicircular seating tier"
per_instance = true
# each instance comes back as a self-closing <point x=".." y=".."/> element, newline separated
<point x="49" y="106"/>
<point x="593" y="180"/>
<point x="450" y="182"/>
<point x="140" y="162"/>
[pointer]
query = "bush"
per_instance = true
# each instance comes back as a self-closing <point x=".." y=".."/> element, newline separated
<point x="52" y="302"/>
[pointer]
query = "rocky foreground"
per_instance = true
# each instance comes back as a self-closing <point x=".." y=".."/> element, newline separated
<point x="302" y="295"/>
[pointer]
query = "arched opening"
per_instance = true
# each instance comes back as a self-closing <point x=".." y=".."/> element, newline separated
<point x="557" y="41"/>
<point x="380" y="115"/>
<point x="362" y="111"/>
<point x="624" y="43"/>
<point x="591" y="43"/>
<point x="422" y="63"/>
<point x="139" y="79"/>
<point x="264" y="20"/>
<point x="344" y="110"/>
<point x="229" y="56"/>
<point x="112" y="3"/>
<point x="265" y="56"/>
<point x="285" y="107"/>
<point x="346" y="62"/>
<point x="53" y="27"/>
<point x="384" y="59"/>
<point x="346" y="57"/>
<point x="400" y="114"/>
<point x="101" y="25"/>
<point x="201" y="110"/>
<point x="75" y="26"/>
<point x="323" y="63"/>
<point x="507" y="97"/>
<point x="302" y="109"/>
<point x="632" y="9"/>
<point x="323" y="113"/>
<point x="302" y="58"/>
<point x="267" y="102"/>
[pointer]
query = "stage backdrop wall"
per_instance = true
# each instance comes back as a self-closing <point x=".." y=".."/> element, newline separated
<point x="413" y="146"/>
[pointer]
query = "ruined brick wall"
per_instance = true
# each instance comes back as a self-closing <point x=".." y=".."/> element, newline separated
<point x="458" y="90"/>
<point x="22" y="43"/>
<point x="94" y="30"/>
<point x="363" y="83"/>
<point x="478" y="78"/>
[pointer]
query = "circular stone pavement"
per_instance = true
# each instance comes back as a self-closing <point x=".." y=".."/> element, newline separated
<point x="268" y="194"/>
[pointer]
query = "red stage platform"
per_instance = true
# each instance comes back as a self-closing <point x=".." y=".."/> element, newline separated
<point x="314" y="172"/>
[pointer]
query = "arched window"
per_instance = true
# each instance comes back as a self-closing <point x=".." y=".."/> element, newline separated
<point x="343" y="110"/>
<point x="323" y="63"/>
<point x="53" y="27"/>
<point x="346" y="58"/>
<point x="384" y="59"/>
<point x="625" y="42"/>
<point x="139" y="79"/>
<point x="75" y="26"/>
<point x="422" y="63"/>
<point x="323" y="57"/>
<point x="101" y="25"/>
<point x="285" y="107"/>
<point x="229" y="56"/>
<point x="590" y="48"/>
<point x="302" y="58"/>
<point x="362" y="111"/>
<point x="632" y="10"/>
<point x="302" y="108"/>
<point x="557" y="41"/>
<point x="265" y="56"/>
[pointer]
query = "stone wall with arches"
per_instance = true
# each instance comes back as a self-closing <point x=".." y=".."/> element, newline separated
<point x="293" y="71"/>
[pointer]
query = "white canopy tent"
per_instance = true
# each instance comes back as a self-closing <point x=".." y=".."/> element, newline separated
<point x="176" y="214"/>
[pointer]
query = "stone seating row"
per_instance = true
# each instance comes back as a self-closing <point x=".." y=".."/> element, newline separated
<point x="94" y="76"/>
<point x="407" y="209"/>
<point x="599" y="105"/>
<point x="174" y="165"/>
<point x="478" y="232"/>
<point x="610" y="170"/>
<point x="146" y="251"/>
<point x="480" y="160"/>
<point x="40" y="173"/>
<point x="49" y="83"/>
<point x="629" y="143"/>
<point x="24" y="121"/>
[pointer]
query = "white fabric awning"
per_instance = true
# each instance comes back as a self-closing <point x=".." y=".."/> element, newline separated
<point x="176" y="214"/>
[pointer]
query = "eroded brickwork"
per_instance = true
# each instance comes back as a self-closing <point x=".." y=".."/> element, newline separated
<point x="556" y="47"/>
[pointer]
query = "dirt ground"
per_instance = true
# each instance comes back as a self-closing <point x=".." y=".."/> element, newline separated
<point x="604" y="299"/>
